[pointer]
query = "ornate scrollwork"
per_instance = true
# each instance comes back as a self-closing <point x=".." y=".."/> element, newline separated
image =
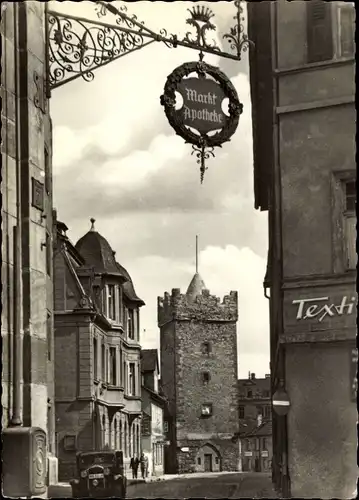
<point x="79" y="47"/>
<point x="201" y="15"/>
<point x="236" y="38"/>
<point x="203" y="153"/>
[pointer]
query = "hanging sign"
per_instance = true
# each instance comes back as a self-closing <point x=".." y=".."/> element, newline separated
<point x="201" y="120"/>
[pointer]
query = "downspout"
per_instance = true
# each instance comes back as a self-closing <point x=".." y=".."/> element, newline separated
<point x="16" y="419"/>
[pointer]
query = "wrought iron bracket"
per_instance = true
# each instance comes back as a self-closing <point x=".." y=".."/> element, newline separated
<point x="77" y="46"/>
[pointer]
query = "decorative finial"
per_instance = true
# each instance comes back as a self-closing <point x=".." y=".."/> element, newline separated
<point x="196" y="254"/>
<point x="201" y="13"/>
<point x="92" y="220"/>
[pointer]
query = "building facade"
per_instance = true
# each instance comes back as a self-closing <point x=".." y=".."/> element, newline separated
<point x="256" y="447"/>
<point x="302" y="84"/>
<point x="255" y="423"/>
<point x="26" y="189"/>
<point x="153" y="404"/>
<point x="97" y="348"/>
<point x="199" y="379"/>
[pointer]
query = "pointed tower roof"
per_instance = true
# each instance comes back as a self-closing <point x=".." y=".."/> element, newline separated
<point x="195" y="287"/>
<point x="197" y="284"/>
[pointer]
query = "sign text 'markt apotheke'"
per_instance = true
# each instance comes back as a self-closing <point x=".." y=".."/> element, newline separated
<point x="202" y="114"/>
<point x="314" y="308"/>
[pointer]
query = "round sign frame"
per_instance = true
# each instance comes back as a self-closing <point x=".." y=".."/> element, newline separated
<point x="168" y="100"/>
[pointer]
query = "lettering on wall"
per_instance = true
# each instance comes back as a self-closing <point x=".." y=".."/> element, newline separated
<point x="315" y="308"/>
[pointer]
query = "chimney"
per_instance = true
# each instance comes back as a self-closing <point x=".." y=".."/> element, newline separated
<point x="259" y="420"/>
<point x="249" y="375"/>
<point x="253" y="376"/>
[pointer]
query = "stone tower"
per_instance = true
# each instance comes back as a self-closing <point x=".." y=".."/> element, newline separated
<point x="199" y="378"/>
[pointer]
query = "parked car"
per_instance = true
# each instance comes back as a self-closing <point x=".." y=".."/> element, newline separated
<point x="99" y="474"/>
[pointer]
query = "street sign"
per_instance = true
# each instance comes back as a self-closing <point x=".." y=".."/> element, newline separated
<point x="185" y="449"/>
<point x="264" y="454"/>
<point x="281" y="402"/>
<point x="248" y="453"/>
<point x="201" y="120"/>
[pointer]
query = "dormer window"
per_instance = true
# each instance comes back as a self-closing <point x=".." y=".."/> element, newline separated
<point x="111" y="302"/>
<point x="131" y="324"/>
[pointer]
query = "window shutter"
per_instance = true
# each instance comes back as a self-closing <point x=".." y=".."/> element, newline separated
<point x="350" y="238"/>
<point x="319" y="31"/>
<point x="347" y="34"/>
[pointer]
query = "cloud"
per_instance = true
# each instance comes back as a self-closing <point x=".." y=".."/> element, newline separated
<point x="117" y="159"/>
<point x="223" y="269"/>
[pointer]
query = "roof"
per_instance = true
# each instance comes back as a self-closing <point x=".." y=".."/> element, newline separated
<point x="128" y="287"/>
<point x="195" y="287"/>
<point x="97" y="252"/>
<point x="149" y="360"/>
<point x="265" y="429"/>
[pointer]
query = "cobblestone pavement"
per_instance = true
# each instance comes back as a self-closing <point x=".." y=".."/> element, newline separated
<point x="211" y="485"/>
<point x="240" y="485"/>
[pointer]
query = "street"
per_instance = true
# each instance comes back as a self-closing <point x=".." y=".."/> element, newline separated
<point x="240" y="485"/>
<point x="211" y="485"/>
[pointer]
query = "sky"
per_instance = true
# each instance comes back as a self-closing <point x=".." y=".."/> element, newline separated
<point x="117" y="159"/>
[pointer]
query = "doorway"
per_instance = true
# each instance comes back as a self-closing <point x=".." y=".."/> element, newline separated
<point x="208" y="462"/>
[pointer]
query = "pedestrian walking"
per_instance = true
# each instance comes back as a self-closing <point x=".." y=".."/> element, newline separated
<point x="146" y="465"/>
<point x="143" y="465"/>
<point x="134" y="466"/>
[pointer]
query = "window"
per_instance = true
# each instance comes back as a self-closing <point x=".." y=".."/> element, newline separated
<point x="48" y="254"/>
<point x="199" y="460"/>
<point x="111" y="302"/>
<point x="47" y="172"/>
<point x="95" y="358"/>
<point x="249" y="394"/>
<point x="206" y="410"/>
<point x="120" y="308"/>
<point x="248" y="445"/>
<point x="132" y="379"/>
<point x="267" y="411"/>
<point x="120" y="368"/>
<point x="266" y="394"/>
<point x="346" y="29"/>
<point x="49" y="335"/>
<point x="206" y="348"/>
<point x="350" y="224"/>
<point x="124" y="375"/>
<point x="241" y="412"/>
<point x="319" y="31"/>
<point x="264" y="444"/>
<point x="165" y="426"/>
<point x="206" y="378"/>
<point x="217" y="460"/>
<point x="113" y="366"/>
<point x="130" y="324"/>
<point x="70" y="442"/>
<point x="103" y="363"/>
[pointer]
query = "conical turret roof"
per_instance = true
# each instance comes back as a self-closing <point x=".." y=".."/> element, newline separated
<point x="195" y="287"/>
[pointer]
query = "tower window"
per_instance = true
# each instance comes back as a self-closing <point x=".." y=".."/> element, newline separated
<point x="206" y="348"/>
<point x="206" y="377"/>
<point x="199" y="460"/>
<point x="206" y="410"/>
<point x="241" y="412"/>
<point x="249" y="394"/>
<point x="350" y="224"/>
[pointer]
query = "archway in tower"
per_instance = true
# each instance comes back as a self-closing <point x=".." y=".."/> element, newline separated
<point x="208" y="459"/>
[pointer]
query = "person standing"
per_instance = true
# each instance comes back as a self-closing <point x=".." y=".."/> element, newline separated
<point x="146" y="465"/>
<point x="134" y="466"/>
<point x="143" y="465"/>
